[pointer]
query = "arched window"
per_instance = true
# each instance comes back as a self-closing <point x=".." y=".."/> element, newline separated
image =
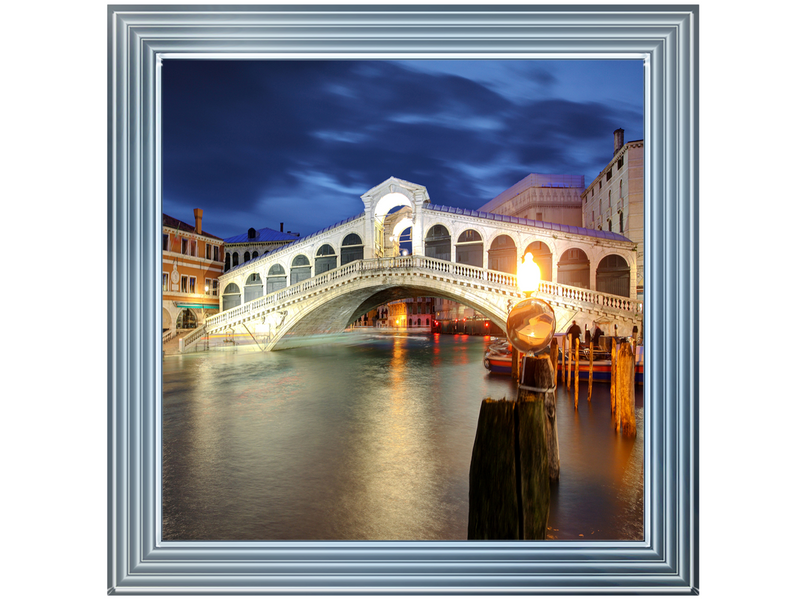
<point x="235" y="259"/>
<point x="227" y="263"/>
<point x="246" y="256"/>
<point x="469" y="249"/>
<point x="231" y="296"/>
<point x="300" y="269"/>
<point x="325" y="259"/>
<point x="621" y="189"/>
<point x="253" y="287"/>
<point x="621" y="220"/>
<point x="609" y="224"/>
<point x="573" y="268"/>
<point x="437" y="243"/>
<point x="351" y="249"/>
<point x="502" y="255"/>
<point x="614" y="276"/>
<point x="609" y="199"/>
<point x="276" y="279"/>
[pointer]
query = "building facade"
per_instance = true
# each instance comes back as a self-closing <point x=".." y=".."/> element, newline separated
<point x="544" y="197"/>
<point x="192" y="263"/>
<point x="615" y="200"/>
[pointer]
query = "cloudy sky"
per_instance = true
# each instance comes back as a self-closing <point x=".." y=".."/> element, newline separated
<point x="256" y="143"/>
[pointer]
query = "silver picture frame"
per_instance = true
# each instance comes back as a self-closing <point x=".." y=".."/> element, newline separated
<point x="666" y="38"/>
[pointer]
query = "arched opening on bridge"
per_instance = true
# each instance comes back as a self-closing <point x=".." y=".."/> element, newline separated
<point x="390" y="204"/>
<point x="405" y="241"/>
<point x="276" y="279"/>
<point x="469" y="248"/>
<point x="186" y="319"/>
<point x="614" y="276"/>
<point x="502" y="255"/>
<point x="573" y="268"/>
<point x="351" y="249"/>
<point x="253" y="287"/>
<point x="543" y="258"/>
<point x="300" y="269"/>
<point x="437" y="243"/>
<point x="231" y="296"/>
<point x="325" y="259"/>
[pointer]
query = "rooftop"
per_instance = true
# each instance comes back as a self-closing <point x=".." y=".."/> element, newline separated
<point x="171" y="222"/>
<point x="263" y="235"/>
<point x="535" y="181"/>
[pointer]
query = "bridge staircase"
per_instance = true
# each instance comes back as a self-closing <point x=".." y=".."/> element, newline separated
<point x="493" y="293"/>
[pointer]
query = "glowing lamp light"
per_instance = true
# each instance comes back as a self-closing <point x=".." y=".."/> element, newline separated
<point x="528" y="275"/>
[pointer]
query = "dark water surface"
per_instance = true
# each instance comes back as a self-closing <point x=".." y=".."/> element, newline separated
<point x="369" y="438"/>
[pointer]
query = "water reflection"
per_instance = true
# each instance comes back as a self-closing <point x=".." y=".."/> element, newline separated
<point x="366" y="442"/>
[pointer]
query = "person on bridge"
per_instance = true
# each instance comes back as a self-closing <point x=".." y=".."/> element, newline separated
<point x="597" y="335"/>
<point x="574" y="333"/>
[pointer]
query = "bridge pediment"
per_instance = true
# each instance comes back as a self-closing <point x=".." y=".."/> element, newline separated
<point x="416" y="194"/>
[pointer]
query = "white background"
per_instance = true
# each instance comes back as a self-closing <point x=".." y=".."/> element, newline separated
<point x="53" y="184"/>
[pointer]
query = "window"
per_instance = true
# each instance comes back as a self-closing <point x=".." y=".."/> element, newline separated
<point x="192" y="248"/>
<point x="609" y="225"/>
<point x="621" y="189"/>
<point x="593" y="215"/>
<point x="235" y="259"/>
<point x="539" y="216"/>
<point x="621" y="221"/>
<point x="184" y="284"/>
<point x="165" y="242"/>
<point x="208" y="286"/>
<point x="165" y="281"/>
<point x="208" y="254"/>
<point x="215" y="287"/>
<point x="620" y="162"/>
<point x="191" y="288"/>
<point x="246" y="256"/>
<point x="216" y="254"/>
<point x="609" y="199"/>
<point x="608" y="175"/>
<point x="184" y="246"/>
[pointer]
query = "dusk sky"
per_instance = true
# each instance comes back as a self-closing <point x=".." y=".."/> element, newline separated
<point x="256" y="143"/>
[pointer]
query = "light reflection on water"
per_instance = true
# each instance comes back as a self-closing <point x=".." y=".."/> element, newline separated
<point x="367" y="442"/>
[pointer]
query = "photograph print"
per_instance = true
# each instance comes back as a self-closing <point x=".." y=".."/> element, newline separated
<point x="351" y="347"/>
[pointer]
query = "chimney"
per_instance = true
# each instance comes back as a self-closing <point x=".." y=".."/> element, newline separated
<point x="281" y="227"/>
<point x="619" y="135"/>
<point x="198" y="214"/>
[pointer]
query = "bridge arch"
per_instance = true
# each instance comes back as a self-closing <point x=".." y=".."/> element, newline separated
<point x="325" y="259"/>
<point x="543" y="257"/>
<point x="276" y="279"/>
<point x="253" y="287"/>
<point x="469" y="248"/>
<point x="573" y="268"/>
<point x="503" y="254"/>
<point x="231" y="296"/>
<point x="613" y="275"/>
<point x="300" y="269"/>
<point x="438" y="242"/>
<point x="351" y="248"/>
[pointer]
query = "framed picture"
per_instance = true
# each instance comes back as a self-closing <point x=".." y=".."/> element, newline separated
<point x="166" y="536"/>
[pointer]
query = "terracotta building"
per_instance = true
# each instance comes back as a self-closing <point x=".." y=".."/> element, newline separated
<point x="192" y="262"/>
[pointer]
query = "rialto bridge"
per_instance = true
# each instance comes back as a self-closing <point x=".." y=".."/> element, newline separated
<point x="325" y="281"/>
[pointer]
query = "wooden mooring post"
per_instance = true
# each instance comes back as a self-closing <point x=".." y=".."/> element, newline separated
<point x="626" y="414"/>
<point x="591" y="369"/>
<point x="564" y="360"/>
<point x="577" y="367"/>
<point x="509" y="476"/>
<point x="613" y="376"/>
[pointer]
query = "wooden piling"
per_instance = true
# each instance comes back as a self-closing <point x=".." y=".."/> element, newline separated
<point x="515" y="365"/>
<point x="613" y="376"/>
<point x="577" y="367"/>
<point x="554" y="360"/>
<point x="626" y="414"/>
<point x="591" y="368"/>
<point x="509" y="476"/>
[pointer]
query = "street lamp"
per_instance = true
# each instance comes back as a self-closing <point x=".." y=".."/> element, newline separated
<point x="531" y="323"/>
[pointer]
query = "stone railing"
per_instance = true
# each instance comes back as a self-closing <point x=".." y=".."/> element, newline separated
<point x="471" y="274"/>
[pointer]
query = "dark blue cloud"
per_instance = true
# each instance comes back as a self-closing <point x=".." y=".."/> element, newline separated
<point x="255" y="143"/>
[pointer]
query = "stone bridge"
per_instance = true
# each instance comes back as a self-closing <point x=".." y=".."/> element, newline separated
<point x="325" y="281"/>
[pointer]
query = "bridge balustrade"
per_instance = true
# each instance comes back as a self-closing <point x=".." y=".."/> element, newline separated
<point x="368" y="266"/>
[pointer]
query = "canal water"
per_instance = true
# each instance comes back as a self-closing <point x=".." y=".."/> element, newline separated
<point x="368" y="438"/>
